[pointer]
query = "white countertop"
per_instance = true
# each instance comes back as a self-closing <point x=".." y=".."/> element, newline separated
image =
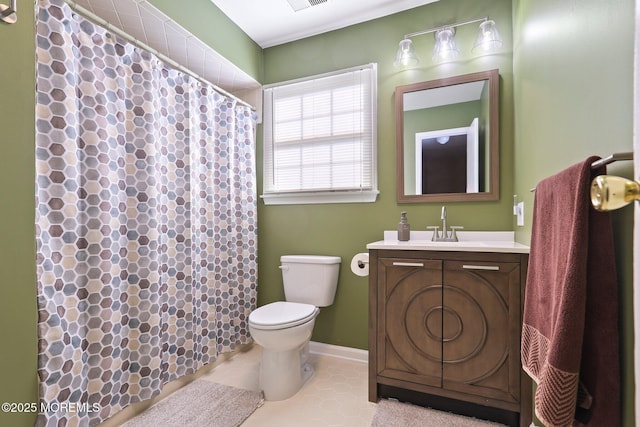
<point x="468" y="241"/>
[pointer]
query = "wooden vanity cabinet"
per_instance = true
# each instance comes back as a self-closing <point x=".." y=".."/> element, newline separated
<point x="445" y="328"/>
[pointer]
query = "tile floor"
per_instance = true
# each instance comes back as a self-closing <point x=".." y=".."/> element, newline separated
<point x="335" y="396"/>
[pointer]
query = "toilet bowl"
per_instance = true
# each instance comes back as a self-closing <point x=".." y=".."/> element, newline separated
<point x="284" y="328"/>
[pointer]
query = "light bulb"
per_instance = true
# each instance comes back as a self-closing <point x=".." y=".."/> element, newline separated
<point x="445" y="48"/>
<point x="406" y="55"/>
<point x="488" y="38"/>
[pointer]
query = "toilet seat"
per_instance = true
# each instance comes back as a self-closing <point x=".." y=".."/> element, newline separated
<point x="282" y="314"/>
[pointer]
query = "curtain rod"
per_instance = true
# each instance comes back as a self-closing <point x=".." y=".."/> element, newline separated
<point x="93" y="17"/>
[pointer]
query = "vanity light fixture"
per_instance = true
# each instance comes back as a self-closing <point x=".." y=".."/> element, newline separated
<point x="446" y="49"/>
<point x="488" y="38"/>
<point x="406" y="55"/>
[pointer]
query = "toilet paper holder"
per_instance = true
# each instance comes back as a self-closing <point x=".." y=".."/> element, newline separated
<point x="362" y="263"/>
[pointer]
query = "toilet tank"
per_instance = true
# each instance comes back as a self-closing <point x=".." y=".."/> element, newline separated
<point x="310" y="279"/>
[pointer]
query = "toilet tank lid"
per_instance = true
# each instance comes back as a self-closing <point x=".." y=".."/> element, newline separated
<point x="311" y="259"/>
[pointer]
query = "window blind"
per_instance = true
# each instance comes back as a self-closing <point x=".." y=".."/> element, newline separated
<point x="320" y="136"/>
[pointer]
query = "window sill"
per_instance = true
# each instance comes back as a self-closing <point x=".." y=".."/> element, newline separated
<point x="368" y="196"/>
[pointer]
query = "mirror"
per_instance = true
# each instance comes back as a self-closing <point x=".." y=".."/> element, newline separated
<point x="447" y="139"/>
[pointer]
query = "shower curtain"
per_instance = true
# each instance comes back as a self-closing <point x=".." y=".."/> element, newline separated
<point x="145" y="221"/>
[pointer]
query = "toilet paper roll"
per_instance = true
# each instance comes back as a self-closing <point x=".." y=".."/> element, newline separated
<point x="360" y="264"/>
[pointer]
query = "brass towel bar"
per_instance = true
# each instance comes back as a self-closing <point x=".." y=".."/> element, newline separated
<point x="610" y="192"/>
<point x="612" y="158"/>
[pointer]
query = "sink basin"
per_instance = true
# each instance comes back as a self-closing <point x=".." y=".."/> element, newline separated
<point x="469" y="241"/>
<point x="432" y="243"/>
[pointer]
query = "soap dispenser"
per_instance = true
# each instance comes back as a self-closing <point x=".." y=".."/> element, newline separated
<point x="404" y="229"/>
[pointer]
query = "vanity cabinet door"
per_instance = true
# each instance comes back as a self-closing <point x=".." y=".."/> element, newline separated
<point x="481" y="306"/>
<point x="409" y="344"/>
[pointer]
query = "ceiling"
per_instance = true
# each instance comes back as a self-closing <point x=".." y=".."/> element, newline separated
<point x="270" y="22"/>
<point x="148" y="25"/>
<point x="273" y="22"/>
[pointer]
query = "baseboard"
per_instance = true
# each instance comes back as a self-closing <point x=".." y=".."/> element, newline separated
<point x="355" y="354"/>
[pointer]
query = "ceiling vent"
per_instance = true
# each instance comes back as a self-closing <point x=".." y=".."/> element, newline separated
<point x="297" y="5"/>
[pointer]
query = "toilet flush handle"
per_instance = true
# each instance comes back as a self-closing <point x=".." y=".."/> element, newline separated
<point x="283" y="267"/>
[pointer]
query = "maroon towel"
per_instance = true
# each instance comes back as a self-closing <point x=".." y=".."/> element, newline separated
<point x="569" y="333"/>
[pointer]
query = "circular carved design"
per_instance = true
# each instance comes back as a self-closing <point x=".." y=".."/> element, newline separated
<point x="454" y="324"/>
<point x="431" y="317"/>
<point x="467" y="317"/>
<point x="448" y="324"/>
<point x="434" y="316"/>
<point x="482" y="348"/>
<point x="413" y="319"/>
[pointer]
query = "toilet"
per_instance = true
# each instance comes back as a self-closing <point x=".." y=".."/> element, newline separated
<point x="284" y="328"/>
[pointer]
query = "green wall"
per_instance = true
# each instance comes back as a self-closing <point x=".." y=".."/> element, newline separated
<point x="18" y="312"/>
<point x="572" y="97"/>
<point x="345" y="229"/>
<point x="573" y="91"/>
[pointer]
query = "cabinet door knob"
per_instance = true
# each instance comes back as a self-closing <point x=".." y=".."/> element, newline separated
<point x="481" y="267"/>
<point x="408" y="264"/>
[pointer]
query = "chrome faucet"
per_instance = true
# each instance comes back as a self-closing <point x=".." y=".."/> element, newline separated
<point x="444" y="236"/>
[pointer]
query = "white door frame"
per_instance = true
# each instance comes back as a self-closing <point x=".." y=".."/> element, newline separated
<point x="473" y="166"/>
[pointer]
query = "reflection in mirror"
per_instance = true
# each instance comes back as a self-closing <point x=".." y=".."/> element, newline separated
<point x="447" y="139"/>
<point x="446" y="161"/>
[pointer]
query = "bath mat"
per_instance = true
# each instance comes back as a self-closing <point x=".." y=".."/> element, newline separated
<point x="395" y="414"/>
<point x="199" y="404"/>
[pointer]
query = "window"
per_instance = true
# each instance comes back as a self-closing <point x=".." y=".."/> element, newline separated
<point x="320" y="139"/>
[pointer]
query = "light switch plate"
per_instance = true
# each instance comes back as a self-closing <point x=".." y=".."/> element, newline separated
<point x="520" y="214"/>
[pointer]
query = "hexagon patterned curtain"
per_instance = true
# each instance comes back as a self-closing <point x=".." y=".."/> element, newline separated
<point x="145" y="221"/>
